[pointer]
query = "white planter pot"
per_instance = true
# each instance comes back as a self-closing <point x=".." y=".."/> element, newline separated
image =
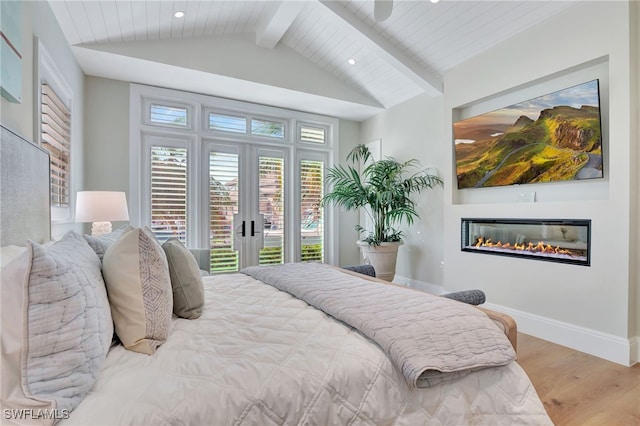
<point x="382" y="258"/>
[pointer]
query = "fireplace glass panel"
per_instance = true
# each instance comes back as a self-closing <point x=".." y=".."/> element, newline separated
<point x="552" y="240"/>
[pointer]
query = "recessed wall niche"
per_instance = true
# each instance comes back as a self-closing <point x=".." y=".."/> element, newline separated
<point x="580" y="190"/>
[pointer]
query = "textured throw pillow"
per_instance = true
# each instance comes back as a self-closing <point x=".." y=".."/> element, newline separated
<point x="100" y="243"/>
<point x="137" y="277"/>
<point x="56" y="326"/>
<point x="186" y="281"/>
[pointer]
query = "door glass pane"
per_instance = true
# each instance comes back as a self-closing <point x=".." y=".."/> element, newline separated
<point x="311" y="213"/>
<point x="271" y="200"/>
<point x="223" y="204"/>
<point x="169" y="193"/>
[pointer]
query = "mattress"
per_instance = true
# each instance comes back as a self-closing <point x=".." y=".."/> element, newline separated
<point x="259" y="356"/>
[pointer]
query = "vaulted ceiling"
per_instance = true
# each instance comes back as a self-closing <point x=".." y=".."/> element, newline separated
<point x="293" y="54"/>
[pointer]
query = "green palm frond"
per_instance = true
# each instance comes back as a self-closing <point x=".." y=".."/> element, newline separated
<point x="383" y="187"/>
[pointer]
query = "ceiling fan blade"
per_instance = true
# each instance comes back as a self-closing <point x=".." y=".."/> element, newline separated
<point x="382" y="9"/>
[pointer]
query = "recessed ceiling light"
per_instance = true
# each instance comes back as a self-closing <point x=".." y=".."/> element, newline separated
<point x="352" y="61"/>
<point x="435" y="1"/>
<point x="178" y="14"/>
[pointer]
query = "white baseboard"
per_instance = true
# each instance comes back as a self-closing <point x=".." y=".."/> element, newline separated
<point x="603" y="345"/>
<point x="420" y="285"/>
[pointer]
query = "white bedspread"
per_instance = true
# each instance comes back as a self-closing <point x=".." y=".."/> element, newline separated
<point x="258" y="356"/>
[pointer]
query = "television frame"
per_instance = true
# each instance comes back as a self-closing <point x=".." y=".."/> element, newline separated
<point x="576" y="153"/>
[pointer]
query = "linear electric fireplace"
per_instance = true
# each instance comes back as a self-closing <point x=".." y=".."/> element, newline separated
<point x="551" y="240"/>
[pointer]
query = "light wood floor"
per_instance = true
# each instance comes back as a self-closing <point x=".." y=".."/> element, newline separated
<point x="580" y="389"/>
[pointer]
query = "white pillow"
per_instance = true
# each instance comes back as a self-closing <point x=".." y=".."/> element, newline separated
<point x="9" y="253"/>
<point x="56" y="326"/>
<point x="136" y="273"/>
<point x="100" y="243"/>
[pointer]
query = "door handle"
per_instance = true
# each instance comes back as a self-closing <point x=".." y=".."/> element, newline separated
<point x="253" y="228"/>
<point x="243" y="228"/>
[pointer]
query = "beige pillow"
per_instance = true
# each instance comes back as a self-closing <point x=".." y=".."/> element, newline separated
<point x="186" y="281"/>
<point x="137" y="277"/>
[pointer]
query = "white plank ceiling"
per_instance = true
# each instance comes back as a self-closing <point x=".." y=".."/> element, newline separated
<point x="397" y="59"/>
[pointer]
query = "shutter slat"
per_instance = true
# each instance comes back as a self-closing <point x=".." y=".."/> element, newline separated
<point x="271" y="202"/>
<point x="55" y="123"/>
<point x="168" y="115"/>
<point x="61" y="127"/>
<point x="223" y="204"/>
<point x="311" y="212"/>
<point x="169" y="193"/>
<point x="227" y="123"/>
<point x="312" y="134"/>
<point x="50" y="97"/>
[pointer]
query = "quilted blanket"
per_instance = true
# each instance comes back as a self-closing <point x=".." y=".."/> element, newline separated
<point x="258" y="356"/>
<point x="430" y="339"/>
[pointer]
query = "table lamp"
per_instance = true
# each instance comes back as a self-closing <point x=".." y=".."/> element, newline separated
<point x="101" y="207"/>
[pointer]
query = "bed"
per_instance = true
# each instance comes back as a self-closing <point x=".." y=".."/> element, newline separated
<point x="256" y="352"/>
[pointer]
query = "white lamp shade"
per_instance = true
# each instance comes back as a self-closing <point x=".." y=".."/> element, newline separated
<point x="101" y="206"/>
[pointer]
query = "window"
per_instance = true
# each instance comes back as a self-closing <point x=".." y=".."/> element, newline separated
<point x="270" y="129"/>
<point x="169" y="193"/>
<point x="56" y="133"/>
<point x="227" y="123"/>
<point x="312" y="134"/>
<point x="242" y="184"/>
<point x="311" y="212"/>
<point x="271" y="205"/>
<point x="168" y="115"/>
<point x="56" y="138"/>
<point x="223" y="205"/>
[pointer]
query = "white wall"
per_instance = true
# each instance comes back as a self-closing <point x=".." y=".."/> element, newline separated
<point x="348" y="253"/>
<point x="635" y="191"/>
<point x="39" y="21"/>
<point x="587" y="308"/>
<point x="593" y="309"/>
<point x="415" y="129"/>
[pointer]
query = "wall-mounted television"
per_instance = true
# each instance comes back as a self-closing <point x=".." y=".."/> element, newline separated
<point x="555" y="137"/>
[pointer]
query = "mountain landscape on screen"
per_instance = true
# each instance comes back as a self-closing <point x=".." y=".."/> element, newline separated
<point x="555" y="137"/>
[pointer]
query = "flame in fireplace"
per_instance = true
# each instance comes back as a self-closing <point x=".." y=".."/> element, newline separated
<point x="541" y="247"/>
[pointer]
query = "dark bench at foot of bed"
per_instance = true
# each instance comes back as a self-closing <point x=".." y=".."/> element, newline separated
<point x="472" y="297"/>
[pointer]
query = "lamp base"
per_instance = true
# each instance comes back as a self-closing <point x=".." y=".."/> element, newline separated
<point x="99" y="228"/>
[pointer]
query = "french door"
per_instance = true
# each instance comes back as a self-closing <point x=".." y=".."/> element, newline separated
<point x="248" y="215"/>
<point x="238" y="203"/>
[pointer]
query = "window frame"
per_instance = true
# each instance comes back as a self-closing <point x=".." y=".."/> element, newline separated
<point x="49" y="73"/>
<point x="148" y="141"/>
<point x="146" y="111"/>
<point x="301" y="124"/>
<point x="201" y="134"/>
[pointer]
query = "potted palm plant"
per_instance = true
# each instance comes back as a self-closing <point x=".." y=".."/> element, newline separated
<point x="384" y="189"/>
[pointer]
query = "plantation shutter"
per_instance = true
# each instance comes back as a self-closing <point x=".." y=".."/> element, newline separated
<point x="271" y="200"/>
<point x="169" y="193"/>
<point x="312" y="134"/>
<point x="56" y="138"/>
<point x="311" y="212"/>
<point x="223" y="204"/>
